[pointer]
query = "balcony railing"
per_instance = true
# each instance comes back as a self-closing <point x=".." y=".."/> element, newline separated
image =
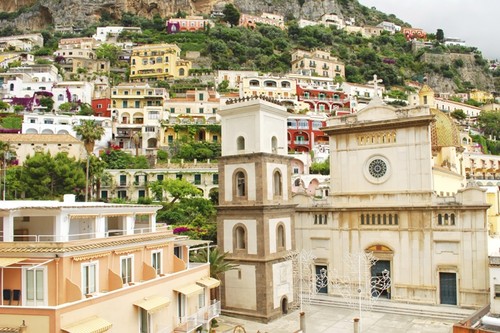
<point x="83" y="236"/>
<point x="301" y="142"/>
<point x="202" y="316"/>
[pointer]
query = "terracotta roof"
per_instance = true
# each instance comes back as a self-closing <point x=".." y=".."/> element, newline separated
<point x="27" y="247"/>
<point x="38" y="138"/>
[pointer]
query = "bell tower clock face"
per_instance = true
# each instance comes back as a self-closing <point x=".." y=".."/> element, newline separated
<point x="377" y="169"/>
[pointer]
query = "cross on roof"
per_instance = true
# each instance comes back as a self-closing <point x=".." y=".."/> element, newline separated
<point x="375" y="82"/>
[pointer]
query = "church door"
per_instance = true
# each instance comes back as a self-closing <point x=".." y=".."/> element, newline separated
<point x="448" y="288"/>
<point x="377" y="271"/>
<point x="321" y="279"/>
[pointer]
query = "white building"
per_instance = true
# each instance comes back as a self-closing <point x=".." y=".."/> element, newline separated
<point x="333" y="20"/>
<point x="49" y="123"/>
<point x="104" y="33"/>
<point x="451" y="106"/>
<point x="25" y="81"/>
<point x="234" y="78"/>
<point x="72" y="91"/>
<point x="389" y="26"/>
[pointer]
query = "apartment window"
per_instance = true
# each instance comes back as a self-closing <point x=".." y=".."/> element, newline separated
<point x="200" y="110"/>
<point x="172" y="110"/>
<point x="149" y="129"/>
<point x="126" y="268"/>
<point x="215" y="138"/>
<point x="170" y="139"/>
<point x="60" y="97"/>
<point x="160" y="177"/>
<point x="215" y="179"/>
<point x="214" y="110"/>
<point x="197" y="179"/>
<point x="154" y="114"/>
<point x="99" y="106"/>
<point x="277" y="183"/>
<point x="137" y="104"/>
<point x="156" y="261"/>
<point x="281" y="236"/>
<point x="178" y="176"/>
<point x="188" y="110"/>
<point x="200" y="96"/>
<point x="104" y="194"/>
<point x="240" y="143"/>
<point x="124" y="104"/>
<point x="89" y="278"/>
<point x="35" y="282"/>
<point x="122" y="194"/>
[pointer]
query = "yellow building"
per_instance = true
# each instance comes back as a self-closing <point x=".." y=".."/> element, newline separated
<point x="155" y="62"/>
<point x="317" y="62"/>
<point x="481" y="96"/>
<point x="136" y="109"/>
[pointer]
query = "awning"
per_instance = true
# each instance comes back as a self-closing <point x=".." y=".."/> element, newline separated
<point x="153" y="303"/>
<point x="83" y="216"/>
<point x="92" y="325"/>
<point x="209" y="282"/>
<point x="190" y="242"/>
<point x="4" y="262"/>
<point x="190" y="290"/>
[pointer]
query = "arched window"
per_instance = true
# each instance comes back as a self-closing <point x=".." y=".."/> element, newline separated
<point x="240" y="143"/>
<point x="274" y="145"/>
<point x="60" y="97"/>
<point x="181" y="72"/>
<point x="281" y="236"/>
<point x="11" y="87"/>
<point x="297" y="182"/>
<point x="240" y="184"/>
<point x="277" y="183"/>
<point x="240" y="238"/>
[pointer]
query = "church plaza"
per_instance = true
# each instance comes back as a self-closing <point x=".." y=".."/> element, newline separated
<point x="332" y="319"/>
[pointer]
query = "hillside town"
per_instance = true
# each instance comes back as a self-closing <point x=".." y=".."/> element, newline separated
<point x="300" y="169"/>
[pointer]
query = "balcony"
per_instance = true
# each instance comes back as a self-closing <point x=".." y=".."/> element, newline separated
<point x="301" y="142"/>
<point x="202" y="316"/>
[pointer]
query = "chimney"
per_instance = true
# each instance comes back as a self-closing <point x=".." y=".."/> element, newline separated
<point x="69" y="198"/>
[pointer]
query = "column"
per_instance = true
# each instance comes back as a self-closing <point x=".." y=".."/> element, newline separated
<point x="100" y="226"/>
<point x="8" y="228"/>
<point x="128" y="225"/>
<point x="152" y="222"/>
<point x="61" y="227"/>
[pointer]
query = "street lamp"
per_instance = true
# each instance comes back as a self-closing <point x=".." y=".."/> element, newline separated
<point x="6" y="156"/>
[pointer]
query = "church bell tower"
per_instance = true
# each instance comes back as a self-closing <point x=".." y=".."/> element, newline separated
<point x="255" y="220"/>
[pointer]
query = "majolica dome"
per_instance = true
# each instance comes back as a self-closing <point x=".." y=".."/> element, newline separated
<point x="444" y="131"/>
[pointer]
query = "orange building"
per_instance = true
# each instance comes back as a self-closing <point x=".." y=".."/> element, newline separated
<point x="93" y="267"/>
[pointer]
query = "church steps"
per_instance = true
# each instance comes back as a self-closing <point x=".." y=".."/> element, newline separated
<point x="386" y="306"/>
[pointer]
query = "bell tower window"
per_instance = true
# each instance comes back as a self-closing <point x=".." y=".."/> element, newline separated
<point x="240" y="143"/>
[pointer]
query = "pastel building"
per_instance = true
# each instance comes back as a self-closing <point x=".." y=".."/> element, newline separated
<point x="188" y="23"/>
<point x="316" y="62"/>
<point x="250" y="21"/>
<point x="133" y="184"/>
<point x="154" y="62"/>
<point x="136" y="110"/>
<point x="49" y="123"/>
<point x="25" y="145"/>
<point x="95" y="267"/>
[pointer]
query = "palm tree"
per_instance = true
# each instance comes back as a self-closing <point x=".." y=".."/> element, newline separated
<point x="90" y="132"/>
<point x="218" y="265"/>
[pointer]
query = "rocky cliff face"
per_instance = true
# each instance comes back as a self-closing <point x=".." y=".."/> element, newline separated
<point x="81" y="13"/>
<point x="470" y="72"/>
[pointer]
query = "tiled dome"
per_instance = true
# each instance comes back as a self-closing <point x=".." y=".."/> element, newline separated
<point x="444" y="131"/>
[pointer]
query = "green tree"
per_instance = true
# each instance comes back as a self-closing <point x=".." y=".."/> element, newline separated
<point x="459" y="114"/>
<point x="489" y="122"/>
<point x="89" y="131"/>
<point x="231" y="14"/>
<point x="176" y="189"/>
<point x="218" y="265"/>
<point x="86" y="109"/>
<point x="322" y="168"/>
<point x="440" y="35"/>
<point x="47" y="102"/>
<point x="47" y="177"/>
<point x="4" y="105"/>
<point x="109" y="52"/>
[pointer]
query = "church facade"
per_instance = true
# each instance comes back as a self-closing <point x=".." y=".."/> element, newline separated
<point x="382" y="201"/>
<point x="396" y="193"/>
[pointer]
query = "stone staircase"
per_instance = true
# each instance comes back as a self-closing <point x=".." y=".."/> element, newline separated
<point x="394" y="307"/>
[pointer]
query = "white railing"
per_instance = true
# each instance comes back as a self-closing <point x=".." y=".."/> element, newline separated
<point x="202" y="316"/>
<point x="81" y="236"/>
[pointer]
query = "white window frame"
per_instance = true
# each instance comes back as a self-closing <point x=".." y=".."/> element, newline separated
<point x="145" y="315"/>
<point x="85" y="282"/>
<point x="131" y="278"/>
<point x="157" y="261"/>
<point x="35" y="301"/>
